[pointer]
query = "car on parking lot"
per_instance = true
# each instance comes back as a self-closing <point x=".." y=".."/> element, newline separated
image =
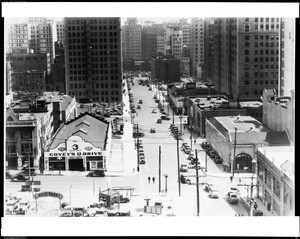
<point x="159" y="121"/>
<point x="142" y="161"/>
<point x="183" y="168"/>
<point x="96" y="173"/>
<point x="138" y="107"/>
<point x="23" y="207"/>
<point x="154" y="111"/>
<point x="184" y="179"/>
<point x="11" y="206"/>
<point x="140" y="101"/>
<point x="101" y="212"/>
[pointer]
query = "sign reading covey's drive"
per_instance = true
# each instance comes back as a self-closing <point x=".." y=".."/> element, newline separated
<point x="48" y="194"/>
<point x="67" y="154"/>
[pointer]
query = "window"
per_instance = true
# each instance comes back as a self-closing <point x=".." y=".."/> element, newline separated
<point x="246" y="52"/>
<point x="246" y="82"/>
<point x="246" y="59"/>
<point x="247" y="37"/>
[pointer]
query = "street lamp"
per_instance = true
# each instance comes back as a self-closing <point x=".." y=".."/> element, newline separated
<point x="166" y="182"/>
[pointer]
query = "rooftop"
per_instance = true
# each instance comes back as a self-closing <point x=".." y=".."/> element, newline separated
<point x="279" y="156"/>
<point x="208" y="102"/>
<point x="252" y="104"/>
<point x="57" y="97"/>
<point x="87" y="126"/>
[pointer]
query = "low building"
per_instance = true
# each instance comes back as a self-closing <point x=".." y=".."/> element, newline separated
<point x="64" y="107"/>
<point x="81" y="144"/>
<point x="27" y="135"/>
<point x="275" y="176"/>
<point x="33" y="81"/>
<point x="253" y="109"/>
<point x="201" y="108"/>
<point x="236" y="139"/>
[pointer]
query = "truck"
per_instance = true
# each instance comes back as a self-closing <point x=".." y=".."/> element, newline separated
<point x="233" y="198"/>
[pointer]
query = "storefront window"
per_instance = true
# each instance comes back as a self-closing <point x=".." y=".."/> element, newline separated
<point x="268" y="179"/>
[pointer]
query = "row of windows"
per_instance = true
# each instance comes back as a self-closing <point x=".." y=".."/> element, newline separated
<point x="262" y="37"/>
<point x="99" y="59"/>
<point x="102" y="78"/>
<point x="102" y="65"/>
<point x="112" y="71"/>
<point x="93" y="21"/>
<point x="264" y="19"/>
<point x="93" y="47"/>
<point x="97" y="86"/>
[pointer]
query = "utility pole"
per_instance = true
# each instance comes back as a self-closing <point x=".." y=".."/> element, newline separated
<point x="234" y="149"/>
<point x="159" y="170"/>
<point x="197" y="183"/>
<point x="180" y="117"/>
<point x="138" y="150"/>
<point x="191" y="137"/>
<point x="178" y="168"/>
<point x="205" y="161"/>
<point x="173" y="118"/>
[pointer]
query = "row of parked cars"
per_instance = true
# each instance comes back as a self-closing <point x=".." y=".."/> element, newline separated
<point x="141" y="152"/>
<point x="174" y="130"/>
<point x="212" y="153"/>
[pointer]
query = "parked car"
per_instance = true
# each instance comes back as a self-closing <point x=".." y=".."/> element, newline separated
<point x="112" y="213"/>
<point x="233" y="190"/>
<point x="154" y="111"/>
<point x="25" y="171"/>
<point x="213" y="193"/>
<point x="96" y="173"/>
<point x="66" y="214"/>
<point x="124" y="199"/>
<point x="208" y="187"/>
<point x="11" y="206"/>
<point x="20" y="177"/>
<point x="152" y="130"/>
<point x="184" y="179"/>
<point x="142" y="161"/>
<point x="233" y="198"/>
<point x="140" y="101"/>
<point x="29" y="188"/>
<point x="101" y="212"/>
<point x="138" y="134"/>
<point x="159" y="121"/>
<point x="257" y="213"/>
<point x="183" y="168"/>
<point x="187" y="150"/>
<point x="164" y="117"/>
<point x="24" y="206"/>
<point x="138" y="107"/>
<point x="124" y="213"/>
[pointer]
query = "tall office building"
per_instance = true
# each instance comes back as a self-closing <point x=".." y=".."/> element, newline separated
<point x="17" y="38"/>
<point x="40" y="35"/>
<point x="93" y="59"/>
<point x="208" y="48"/>
<point x="176" y="43"/>
<point x="185" y="27"/>
<point x="197" y="46"/>
<point x="132" y="39"/>
<point x="246" y="56"/>
<point x="59" y="25"/>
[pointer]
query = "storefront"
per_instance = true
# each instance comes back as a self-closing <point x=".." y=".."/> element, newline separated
<point x="84" y="147"/>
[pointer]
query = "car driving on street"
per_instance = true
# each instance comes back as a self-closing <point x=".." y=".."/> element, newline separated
<point x="96" y="173"/>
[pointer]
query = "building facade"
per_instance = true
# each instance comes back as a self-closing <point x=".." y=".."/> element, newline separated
<point x="93" y="59"/>
<point x="166" y="70"/>
<point x="236" y="139"/>
<point x="81" y="144"/>
<point x="246" y="56"/>
<point x="17" y="38"/>
<point x="197" y="46"/>
<point x="27" y="136"/>
<point x="132" y="39"/>
<point x="60" y="32"/>
<point x="275" y="177"/>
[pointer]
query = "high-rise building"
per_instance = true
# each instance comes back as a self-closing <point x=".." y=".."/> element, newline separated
<point x="93" y="59"/>
<point x="60" y="32"/>
<point x="149" y="45"/>
<point x="208" y="48"/>
<point x="185" y="27"/>
<point x="17" y="38"/>
<point x="132" y="39"/>
<point x="246" y="56"/>
<point x="176" y="43"/>
<point x="197" y="46"/>
<point x="40" y="35"/>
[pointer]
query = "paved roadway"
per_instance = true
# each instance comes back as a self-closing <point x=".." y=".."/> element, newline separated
<point x="78" y="188"/>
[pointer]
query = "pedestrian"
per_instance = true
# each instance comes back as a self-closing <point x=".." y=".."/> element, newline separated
<point x="231" y="177"/>
<point x="195" y="141"/>
<point x="149" y="179"/>
<point x="153" y="179"/>
<point x="255" y="206"/>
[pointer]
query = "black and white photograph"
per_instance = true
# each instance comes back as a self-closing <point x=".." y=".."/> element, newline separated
<point x="149" y="119"/>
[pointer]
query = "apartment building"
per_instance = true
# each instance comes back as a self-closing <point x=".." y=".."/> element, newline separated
<point x="17" y="38"/>
<point x="60" y="29"/>
<point x="93" y="59"/>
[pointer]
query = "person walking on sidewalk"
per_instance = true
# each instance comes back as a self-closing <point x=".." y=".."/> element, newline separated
<point x="255" y="206"/>
<point x="149" y="179"/>
<point x="231" y="177"/>
<point x="153" y="179"/>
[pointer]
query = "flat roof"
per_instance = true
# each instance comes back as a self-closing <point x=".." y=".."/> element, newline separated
<point x="279" y="155"/>
<point x="242" y="123"/>
<point x="56" y="97"/>
<point x="250" y="104"/>
<point x="204" y="102"/>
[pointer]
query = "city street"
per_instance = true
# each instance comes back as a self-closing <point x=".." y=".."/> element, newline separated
<point x="81" y="190"/>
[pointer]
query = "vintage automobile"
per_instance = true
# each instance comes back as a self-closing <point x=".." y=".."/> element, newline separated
<point x="233" y="190"/>
<point x="12" y="206"/>
<point x="124" y="199"/>
<point x="257" y="213"/>
<point x="140" y="101"/>
<point x="24" y="206"/>
<point x="152" y="130"/>
<point x="101" y="212"/>
<point x="124" y="213"/>
<point x="187" y="149"/>
<point x="25" y="171"/>
<point x="184" y="179"/>
<point x="164" y="117"/>
<point x="29" y="188"/>
<point x="138" y="107"/>
<point x="183" y="168"/>
<point x="233" y="198"/>
<point x="112" y="213"/>
<point x="208" y="186"/>
<point x="66" y="214"/>
<point x="142" y="161"/>
<point x="154" y="111"/>
<point x="20" y="177"/>
<point x="96" y="173"/>
<point x="213" y="193"/>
